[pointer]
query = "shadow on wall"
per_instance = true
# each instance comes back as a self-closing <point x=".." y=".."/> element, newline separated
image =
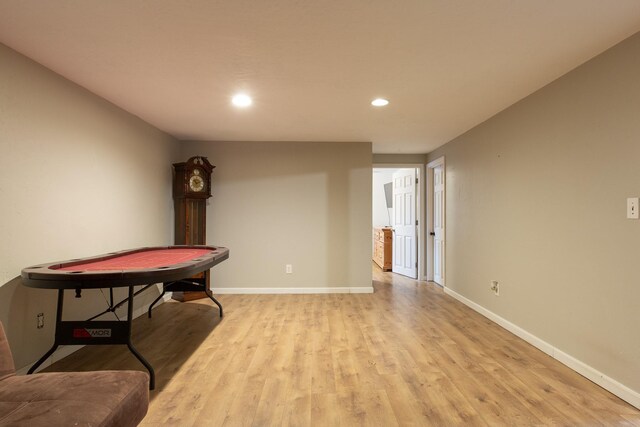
<point x="20" y="306"/>
<point x="15" y="313"/>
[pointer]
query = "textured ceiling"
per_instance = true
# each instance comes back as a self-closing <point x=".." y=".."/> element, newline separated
<point x="314" y="66"/>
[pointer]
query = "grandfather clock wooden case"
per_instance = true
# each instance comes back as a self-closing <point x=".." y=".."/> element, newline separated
<point x="191" y="189"/>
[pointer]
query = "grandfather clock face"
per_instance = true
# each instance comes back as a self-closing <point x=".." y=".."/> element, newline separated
<point x="196" y="181"/>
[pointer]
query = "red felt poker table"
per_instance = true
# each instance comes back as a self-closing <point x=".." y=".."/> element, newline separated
<point x="125" y="268"/>
<point x="178" y="268"/>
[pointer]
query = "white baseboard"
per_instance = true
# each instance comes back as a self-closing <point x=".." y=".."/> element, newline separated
<point x="608" y="383"/>
<point x="66" y="350"/>
<point x="238" y="291"/>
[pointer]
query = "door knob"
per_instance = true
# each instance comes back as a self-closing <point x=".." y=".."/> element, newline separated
<point x="432" y="233"/>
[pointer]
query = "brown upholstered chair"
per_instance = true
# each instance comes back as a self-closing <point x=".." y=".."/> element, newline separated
<point x="100" y="398"/>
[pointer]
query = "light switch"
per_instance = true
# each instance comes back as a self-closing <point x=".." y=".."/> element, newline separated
<point x="632" y="208"/>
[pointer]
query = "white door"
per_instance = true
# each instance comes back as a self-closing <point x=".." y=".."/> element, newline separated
<point x="438" y="225"/>
<point x="405" y="244"/>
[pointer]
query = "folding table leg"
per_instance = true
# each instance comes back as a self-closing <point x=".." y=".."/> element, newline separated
<point x="152" y="374"/>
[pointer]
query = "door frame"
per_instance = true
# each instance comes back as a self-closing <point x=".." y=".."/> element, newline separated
<point x="440" y="161"/>
<point x="420" y="208"/>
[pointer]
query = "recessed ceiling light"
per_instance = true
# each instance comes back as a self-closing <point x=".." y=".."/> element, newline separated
<point x="241" y="100"/>
<point x="379" y="102"/>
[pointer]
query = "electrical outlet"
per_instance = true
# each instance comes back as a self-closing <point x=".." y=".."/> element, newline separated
<point x="495" y="287"/>
<point x="40" y="320"/>
<point x="288" y="269"/>
<point x="632" y="208"/>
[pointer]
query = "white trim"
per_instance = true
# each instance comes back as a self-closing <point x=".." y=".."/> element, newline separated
<point x="66" y="350"/>
<point x="608" y="383"/>
<point x="346" y="290"/>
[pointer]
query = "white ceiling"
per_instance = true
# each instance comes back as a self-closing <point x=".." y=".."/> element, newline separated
<point x="314" y="66"/>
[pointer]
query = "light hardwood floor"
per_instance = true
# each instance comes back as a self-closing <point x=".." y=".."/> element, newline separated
<point x="405" y="355"/>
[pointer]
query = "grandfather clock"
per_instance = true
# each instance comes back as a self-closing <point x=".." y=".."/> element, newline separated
<point x="191" y="189"/>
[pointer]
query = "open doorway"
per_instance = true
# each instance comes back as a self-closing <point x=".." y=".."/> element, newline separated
<point x="398" y="219"/>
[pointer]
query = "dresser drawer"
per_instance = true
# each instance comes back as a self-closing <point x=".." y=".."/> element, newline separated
<point x="382" y="247"/>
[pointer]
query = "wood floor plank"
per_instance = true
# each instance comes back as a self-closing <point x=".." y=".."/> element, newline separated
<point x="323" y="410"/>
<point x="536" y="404"/>
<point x="298" y="410"/>
<point x="406" y="355"/>
<point x="272" y="402"/>
<point x="323" y="380"/>
<point x="406" y="408"/>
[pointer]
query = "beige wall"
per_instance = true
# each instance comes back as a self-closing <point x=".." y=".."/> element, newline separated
<point x="536" y="199"/>
<point x="277" y="203"/>
<point x="399" y="159"/>
<point x="78" y="177"/>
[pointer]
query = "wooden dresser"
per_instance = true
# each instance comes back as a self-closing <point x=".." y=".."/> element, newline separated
<point x="382" y="247"/>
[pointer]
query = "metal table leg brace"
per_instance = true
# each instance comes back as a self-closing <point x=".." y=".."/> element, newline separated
<point x="95" y="332"/>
